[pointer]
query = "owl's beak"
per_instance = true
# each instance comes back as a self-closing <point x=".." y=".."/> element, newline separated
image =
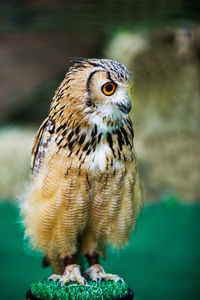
<point x="125" y="107"/>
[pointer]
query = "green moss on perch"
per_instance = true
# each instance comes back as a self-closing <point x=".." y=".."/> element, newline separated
<point x="51" y="290"/>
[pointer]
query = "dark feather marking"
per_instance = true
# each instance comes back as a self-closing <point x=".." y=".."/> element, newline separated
<point x="66" y="88"/>
<point x="54" y="114"/>
<point x="65" y="131"/>
<point x="94" y="146"/>
<point x="70" y="154"/>
<point x="83" y="67"/>
<point x="129" y="122"/>
<point x="60" y="95"/>
<point x="86" y="146"/>
<point x="41" y="146"/>
<point x="73" y="123"/>
<point x="77" y="130"/>
<point x="71" y="115"/>
<point x="51" y="126"/>
<point x="61" y="113"/>
<point x="89" y="99"/>
<point x="77" y="151"/>
<point x="70" y="135"/>
<point x="62" y="107"/>
<point x="94" y="130"/>
<point x="131" y="131"/>
<point x="71" y="145"/>
<point x="119" y="154"/>
<point x="58" y="143"/>
<point x="83" y="160"/>
<point x="109" y="139"/>
<point x="130" y="127"/>
<point x="78" y="60"/>
<point x="87" y="178"/>
<point x="65" y="145"/>
<point x="99" y="138"/>
<point x="106" y="182"/>
<point x="54" y="107"/>
<point x="120" y="139"/>
<point x="93" y="140"/>
<point x="96" y="65"/>
<point x="125" y="135"/>
<point x="110" y="142"/>
<point x="88" y="152"/>
<point x="63" y="126"/>
<point x="82" y="138"/>
<point x="68" y="80"/>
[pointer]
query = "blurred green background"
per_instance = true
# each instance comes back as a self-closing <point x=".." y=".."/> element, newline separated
<point x="160" y="42"/>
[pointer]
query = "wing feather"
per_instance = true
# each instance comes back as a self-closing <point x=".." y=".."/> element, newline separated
<point x="41" y="144"/>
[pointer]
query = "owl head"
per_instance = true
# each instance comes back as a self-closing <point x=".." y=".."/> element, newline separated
<point x="99" y="89"/>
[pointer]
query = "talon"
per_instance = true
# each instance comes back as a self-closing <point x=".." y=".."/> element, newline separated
<point x="98" y="279"/>
<point x="97" y="273"/>
<point x="61" y="283"/>
<point x="54" y="277"/>
<point x="113" y="277"/>
<point x="72" y="273"/>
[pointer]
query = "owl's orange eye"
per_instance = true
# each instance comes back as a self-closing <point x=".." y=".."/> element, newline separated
<point x="109" y="88"/>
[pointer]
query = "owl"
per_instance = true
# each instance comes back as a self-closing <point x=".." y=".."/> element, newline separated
<point x="85" y="191"/>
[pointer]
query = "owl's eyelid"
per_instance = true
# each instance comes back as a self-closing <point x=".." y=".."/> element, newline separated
<point x="111" y="81"/>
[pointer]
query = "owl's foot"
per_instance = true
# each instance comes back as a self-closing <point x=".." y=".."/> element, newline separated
<point x="54" y="277"/>
<point x="97" y="273"/>
<point x="72" y="273"/>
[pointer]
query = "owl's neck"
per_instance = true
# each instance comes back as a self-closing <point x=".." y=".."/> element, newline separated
<point x="105" y="123"/>
<point x="86" y="118"/>
<point x="84" y="136"/>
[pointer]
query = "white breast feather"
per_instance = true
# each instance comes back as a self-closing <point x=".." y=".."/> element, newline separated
<point x="100" y="154"/>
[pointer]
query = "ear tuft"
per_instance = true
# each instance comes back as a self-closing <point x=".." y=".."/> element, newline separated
<point x="78" y="60"/>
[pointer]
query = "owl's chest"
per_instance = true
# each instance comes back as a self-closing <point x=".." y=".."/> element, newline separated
<point x="96" y="151"/>
<point x="108" y="158"/>
<point x="100" y="158"/>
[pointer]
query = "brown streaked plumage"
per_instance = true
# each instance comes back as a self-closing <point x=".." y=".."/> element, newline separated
<point x="85" y="191"/>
